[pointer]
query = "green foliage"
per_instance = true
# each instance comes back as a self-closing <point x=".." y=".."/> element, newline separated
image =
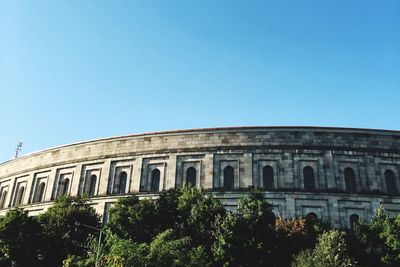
<point x="186" y="227"/>
<point x="198" y="215"/>
<point x="20" y="239"/>
<point x="378" y="243"/>
<point x="330" y="251"/>
<point x="142" y="220"/>
<point x="247" y="237"/>
<point x="62" y="236"/>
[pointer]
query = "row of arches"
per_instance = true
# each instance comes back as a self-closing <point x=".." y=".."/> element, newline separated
<point x="349" y="180"/>
<point x="191" y="178"/>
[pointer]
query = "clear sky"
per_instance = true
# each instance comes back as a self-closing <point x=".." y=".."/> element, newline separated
<point x="77" y="70"/>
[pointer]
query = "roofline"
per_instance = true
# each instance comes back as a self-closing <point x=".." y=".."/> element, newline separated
<point x="229" y="128"/>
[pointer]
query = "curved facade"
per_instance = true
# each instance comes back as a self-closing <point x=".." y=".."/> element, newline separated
<point x="337" y="174"/>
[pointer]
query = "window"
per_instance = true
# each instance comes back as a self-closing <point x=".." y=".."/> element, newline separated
<point x="65" y="185"/>
<point x="120" y="183"/>
<point x="155" y="180"/>
<point x="229" y="178"/>
<point x="92" y="185"/>
<point x="350" y="180"/>
<point x="20" y="196"/>
<point x="311" y="217"/>
<point x="40" y="192"/>
<point x="308" y="174"/>
<point x="191" y="176"/>
<point x="268" y="178"/>
<point x="122" y="180"/>
<point x="390" y="180"/>
<point x="354" y="220"/>
<point x="3" y="199"/>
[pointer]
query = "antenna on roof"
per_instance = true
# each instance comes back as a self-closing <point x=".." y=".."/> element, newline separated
<point x="18" y="149"/>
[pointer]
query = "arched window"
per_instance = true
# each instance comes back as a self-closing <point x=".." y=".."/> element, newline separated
<point x="311" y="217"/>
<point x="390" y="180"/>
<point x="20" y="196"/>
<point x="350" y="180"/>
<point x="229" y="178"/>
<point x="354" y="220"/>
<point x="40" y="192"/>
<point x="65" y="186"/>
<point x="155" y="180"/>
<point x="268" y="178"/>
<point x="92" y="185"/>
<point x="191" y="176"/>
<point x="122" y="179"/>
<point x="308" y="174"/>
<point x="3" y="199"/>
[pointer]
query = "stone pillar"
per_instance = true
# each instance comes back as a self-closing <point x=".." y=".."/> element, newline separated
<point x="290" y="211"/>
<point x="287" y="172"/>
<point x="329" y="170"/>
<point x="333" y="209"/>
<point x="136" y="175"/>
<point x="104" y="178"/>
<point x="50" y="184"/>
<point x="76" y="181"/>
<point x="208" y="171"/>
<point x="247" y="165"/>
<point x="171" y="172"/>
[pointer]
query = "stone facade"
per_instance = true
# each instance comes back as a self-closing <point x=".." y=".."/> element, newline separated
<point x="332" y="173"/>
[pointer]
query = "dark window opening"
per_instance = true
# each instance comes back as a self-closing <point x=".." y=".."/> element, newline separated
<point x="155" y="181"/>
<point x="390" y="180"/>
<point x="350" y="180"/>
<point x="40" y="192"/>
<point x="3" y="199"/>
<point x="354" y="220"/>
<point x="229" y="178"/>
<point x="120" y="183"/>
<point x="309" y="181"/>
<point x="20" y="195"/>
<point x="122" y="180"/>
<point x="65" y="187"/>
<point x="268" y="178"/>
<point x="191" y="176"/>
<point x="311" y="217"/>
<point x="92" y="185"/>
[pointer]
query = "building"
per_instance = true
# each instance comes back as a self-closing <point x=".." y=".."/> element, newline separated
<point x="337" y="174"/>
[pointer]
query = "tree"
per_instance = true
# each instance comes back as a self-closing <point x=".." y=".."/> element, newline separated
<point x="198" y="215"/>
<point x="378" y="243"/>
<point x="20" y="239"/>
<point x="330" y="251"/>
<point x="61" y="234"/>
<point x="142" y="220"/>
<point x="247" y="237"/>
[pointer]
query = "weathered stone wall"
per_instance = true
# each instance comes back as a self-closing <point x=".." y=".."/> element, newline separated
<point x="370" y="154"/>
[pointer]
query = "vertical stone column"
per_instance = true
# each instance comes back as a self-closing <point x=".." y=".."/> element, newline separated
<point x="11" y="193"/>
<point x="363" y="175"/>
<point x="371" y="170"/>
<point x="334" y="211"/>
<point x="105" y="176"/>
<point x="208" y="171"/>
<point x="290" y="206"/>
<point x="171" y="172"/>
<point x="247" y="165"/>
<point x="287" y="171"/>
<point x="136" y="175"/>
<point x="329" y="170"/>
<point x="29" y="189"/>
<point x="50" y="184"/>
<point x="76" y="181"/>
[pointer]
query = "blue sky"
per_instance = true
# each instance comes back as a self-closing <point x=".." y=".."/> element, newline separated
<point x="77" y="70"/>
